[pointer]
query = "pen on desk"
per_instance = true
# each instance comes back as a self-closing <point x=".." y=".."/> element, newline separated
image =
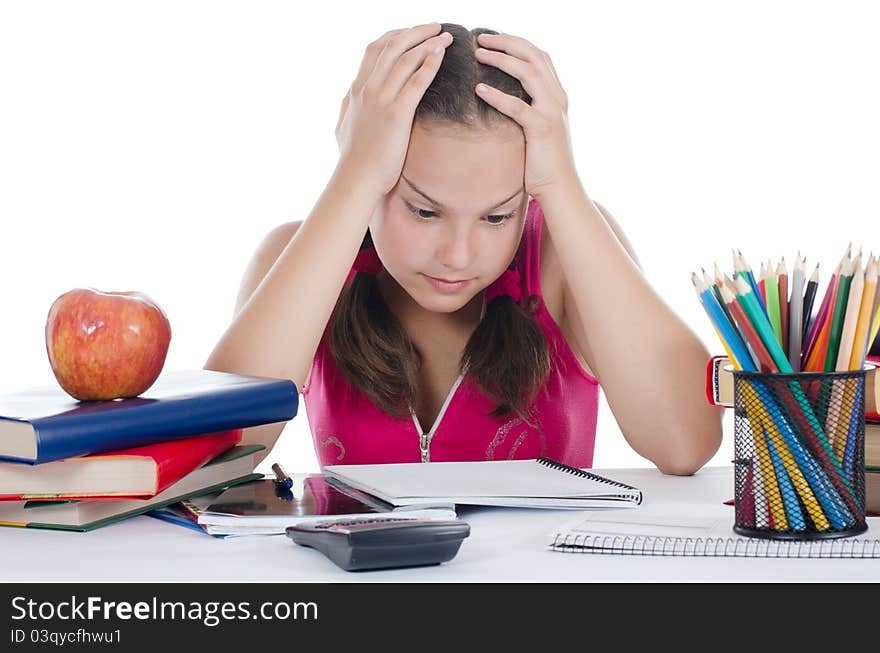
<point x="281" y="477"/>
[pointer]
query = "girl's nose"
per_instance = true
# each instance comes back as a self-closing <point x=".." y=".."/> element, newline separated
<point x="458" y="251"/>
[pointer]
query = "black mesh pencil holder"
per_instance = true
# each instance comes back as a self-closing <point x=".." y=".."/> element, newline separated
<point x="799" y="442"/>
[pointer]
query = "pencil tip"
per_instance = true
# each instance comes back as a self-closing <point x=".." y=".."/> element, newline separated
<point x="742" y="288"/>
<point x="707" y="279"/>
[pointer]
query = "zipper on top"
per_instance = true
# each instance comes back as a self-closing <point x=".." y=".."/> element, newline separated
<point x="425" y="438"/>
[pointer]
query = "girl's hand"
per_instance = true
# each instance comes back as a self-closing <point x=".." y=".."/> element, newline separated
<point x="549" y="157"/>
<point x="376" y="117"/>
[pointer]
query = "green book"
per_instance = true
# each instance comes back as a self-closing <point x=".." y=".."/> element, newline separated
<point x="230" y="468"/>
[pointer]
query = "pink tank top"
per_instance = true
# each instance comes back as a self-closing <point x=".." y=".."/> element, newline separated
<point x="347" y="428"/>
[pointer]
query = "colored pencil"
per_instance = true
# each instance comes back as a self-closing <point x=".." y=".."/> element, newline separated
<point x="745" y="511"/>
<point x="807" y="311"/>
<point x="796" y="314"/>
<point x="762" y="286"/>
<point x="696" y="281"/>
<point x="838" y="315"/>
<point x="866" y="312"/>
<point x="841" y="391"/>
<point x="851" y="316"/>
<point x="740" y="355"/>
<point x="741" y="268"/>
<point x="791" y="469"/>
<point x="762" y="326"/>
<point x="783" y="465"/>
<point x="714" y="285"/>
<point x="854" y="419"/>
<point x="837" y="512"/>
<point x="818" y="325"/>
<point x="774" y="303"/>
<point x="782" y="281"/>
<point x="765" y="361"/>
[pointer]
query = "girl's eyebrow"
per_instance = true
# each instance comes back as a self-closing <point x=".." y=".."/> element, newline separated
<point x="439" y="205"/>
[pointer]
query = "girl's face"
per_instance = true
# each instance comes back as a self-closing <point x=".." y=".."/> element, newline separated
<point x="456" y="214"/>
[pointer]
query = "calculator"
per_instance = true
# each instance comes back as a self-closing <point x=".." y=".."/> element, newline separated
<point x="382" y="543"/>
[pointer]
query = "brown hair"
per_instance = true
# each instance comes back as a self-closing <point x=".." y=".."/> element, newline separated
<point x="506" y="356"/>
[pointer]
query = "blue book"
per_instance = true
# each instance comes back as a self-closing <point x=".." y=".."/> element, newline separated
<point x="44" y="424"/>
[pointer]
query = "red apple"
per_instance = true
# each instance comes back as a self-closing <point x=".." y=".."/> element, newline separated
<point x="106" y="345"/>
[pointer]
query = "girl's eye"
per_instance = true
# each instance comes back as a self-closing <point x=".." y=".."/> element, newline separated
<point x="422" y="213"/>
<point x="494" y="220"/>
<point x="501" y="218"/>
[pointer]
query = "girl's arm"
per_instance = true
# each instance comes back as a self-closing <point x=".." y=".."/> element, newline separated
<point x="650" y="363"/>
<point x="279" y="323"/>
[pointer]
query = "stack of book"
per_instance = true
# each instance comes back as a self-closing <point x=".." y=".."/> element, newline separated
<point x="872" y="464"/>
<point x="72" y="465"/>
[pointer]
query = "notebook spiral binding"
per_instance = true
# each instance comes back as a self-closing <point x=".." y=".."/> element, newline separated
<point x="555" y="464"/>
<point x="716" y="547"/>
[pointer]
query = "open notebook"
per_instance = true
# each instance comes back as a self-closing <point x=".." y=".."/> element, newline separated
<point x="532" y="483"/>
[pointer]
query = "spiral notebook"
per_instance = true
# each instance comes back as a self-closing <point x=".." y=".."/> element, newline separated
<point x="531" y="483"/>
<point x="667" y="535"/>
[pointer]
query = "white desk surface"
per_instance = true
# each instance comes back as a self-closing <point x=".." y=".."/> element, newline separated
<point x="505" y="545"/>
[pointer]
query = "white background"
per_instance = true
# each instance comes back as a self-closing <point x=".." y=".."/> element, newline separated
<point x="150" y="146"/>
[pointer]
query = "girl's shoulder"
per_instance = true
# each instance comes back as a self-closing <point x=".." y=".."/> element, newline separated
<point x="263" y="258"/>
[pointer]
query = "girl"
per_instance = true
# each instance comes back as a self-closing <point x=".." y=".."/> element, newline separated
<point x="455" y="294"/>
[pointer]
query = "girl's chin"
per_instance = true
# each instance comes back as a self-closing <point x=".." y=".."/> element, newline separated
<point x="445" y="303"/>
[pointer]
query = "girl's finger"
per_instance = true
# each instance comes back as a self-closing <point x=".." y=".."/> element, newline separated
<point x="552" y="70"/>
<point x="417" y="84"/>
<point x="342" y="110"/>
<point x="523" y="71"/>
<point x="525" y="51"/>
<point x="371" y="54"/>
<point x="412" y="61"/>
<point x="394" y="48"/>
<point x="512" y="45"/>
<point x="507" y="104"/>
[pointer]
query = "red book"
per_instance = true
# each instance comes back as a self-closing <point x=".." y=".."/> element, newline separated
<point x="872" y="390"/>
<point x="137" y="472"/>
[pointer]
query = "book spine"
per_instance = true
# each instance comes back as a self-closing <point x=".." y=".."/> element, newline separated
<point x="181" y="457"/>
<point x="143" y="421"/>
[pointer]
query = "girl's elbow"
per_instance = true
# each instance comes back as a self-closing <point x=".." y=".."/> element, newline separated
<point x="691" y="446"/>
